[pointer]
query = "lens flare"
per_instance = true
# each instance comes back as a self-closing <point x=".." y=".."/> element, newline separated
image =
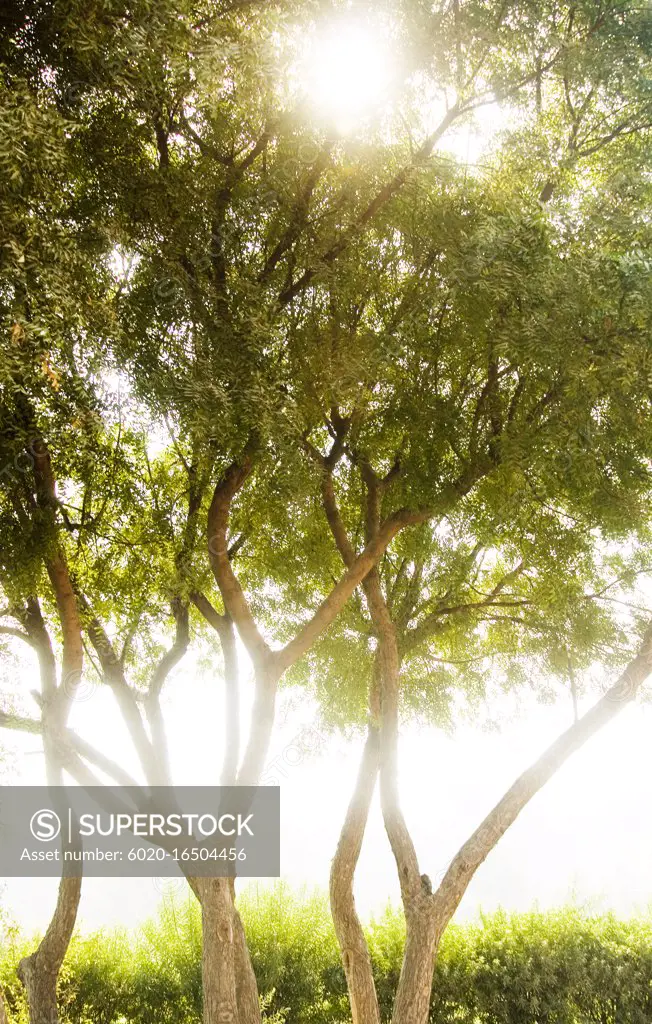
<point x="347" y="72"/>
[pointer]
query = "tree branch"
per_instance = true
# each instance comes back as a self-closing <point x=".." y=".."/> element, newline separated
<point x="113" y="673"/>
<point x="20" y="724"/>
<point x="233" y="596"/>
<point x="223" y="625"/>
<point x="18" y="633"/>
<point x="170" y="659"/>
<point x="382" y="197"/>
<point x="466" y="862"/>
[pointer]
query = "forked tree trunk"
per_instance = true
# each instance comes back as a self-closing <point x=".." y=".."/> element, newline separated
<point x="413" y="994"/>
<point x="39" y="972"/>
<point x="427" y="914"/>
<point x="425" y="928"/>
<point x="270" y="665"/>
<point x="415" y="981"/>
<point x="350" y="935"/>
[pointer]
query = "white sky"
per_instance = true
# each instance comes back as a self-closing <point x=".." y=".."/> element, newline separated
<point x="587" y="836"/>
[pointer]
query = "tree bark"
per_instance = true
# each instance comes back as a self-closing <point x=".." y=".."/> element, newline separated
<point x="246" y="984"/>
<point x="412" y="1001"/>
<point x="350" y="936"/>
<point x="219" y="952"/>
<point x="40" y="971"/>
<point x="415" y="981"/>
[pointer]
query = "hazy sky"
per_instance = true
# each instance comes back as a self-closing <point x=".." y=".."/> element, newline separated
<point x="587" y="836"/>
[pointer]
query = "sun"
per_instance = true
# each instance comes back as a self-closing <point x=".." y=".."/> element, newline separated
<point x="347" y="72"/>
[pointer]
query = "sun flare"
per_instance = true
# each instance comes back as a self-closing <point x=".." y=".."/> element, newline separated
<point x="347" y="72"/>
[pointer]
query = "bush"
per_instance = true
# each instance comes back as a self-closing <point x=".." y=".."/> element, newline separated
<point x="554" y="968"/>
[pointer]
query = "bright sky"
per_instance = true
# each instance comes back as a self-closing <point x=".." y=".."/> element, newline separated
<point x="351" y="72"/>
<point x="587" y="836"/>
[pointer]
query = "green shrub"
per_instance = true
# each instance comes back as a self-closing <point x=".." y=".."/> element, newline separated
<point x="561" y="967"/>
<point x="13" y="947"/>
<point x="294" y="952"/>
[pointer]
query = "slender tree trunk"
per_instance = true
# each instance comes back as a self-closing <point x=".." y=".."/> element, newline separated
<point x="350" y="936"/>
<point x="219" y="952"/>
<point x="246" y="984"/>
<point x="415" y="982"/>
<point x="412" y="1002"/>
<point x="232" y="709"/>
<point x="40" y="971"/>
<point x="245" y="980"/>
<point x="257" y="748"/>
<point x="261" y="725"/>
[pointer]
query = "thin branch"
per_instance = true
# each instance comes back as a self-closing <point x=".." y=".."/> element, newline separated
<point x="382" y="197"/>
<point x="18" y="633"/>
<point x="162" y="670"/>
<point x="223" y="626"/>
<point x="471" y="855"/>
<point x="20" y="724"/>
<point x="233" y="596"/>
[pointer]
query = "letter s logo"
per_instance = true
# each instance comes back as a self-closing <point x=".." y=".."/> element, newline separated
<point x="45" y="826"/>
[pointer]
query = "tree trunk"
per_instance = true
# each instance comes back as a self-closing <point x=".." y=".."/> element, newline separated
<point x="40" y="971"/>
<point x="246" y="984"/>
<point x="350" y="936"/>
<point x="40" y="983"/>
<point x="261" y="724"/>
<point x="412" y="1002"/>
<point x="415" y="982"/>
<point x="219" y="952"/>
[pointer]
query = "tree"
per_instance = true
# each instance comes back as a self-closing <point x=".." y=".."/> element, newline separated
<point x="428" y="597"/>
<point x="307" y="311"/>
<point x="48" y="278"/>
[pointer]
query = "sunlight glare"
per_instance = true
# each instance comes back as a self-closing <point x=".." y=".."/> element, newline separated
<point x="347" y="72"/>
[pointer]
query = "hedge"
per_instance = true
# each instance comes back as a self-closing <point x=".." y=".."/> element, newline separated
<point x="561" y="967"/>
